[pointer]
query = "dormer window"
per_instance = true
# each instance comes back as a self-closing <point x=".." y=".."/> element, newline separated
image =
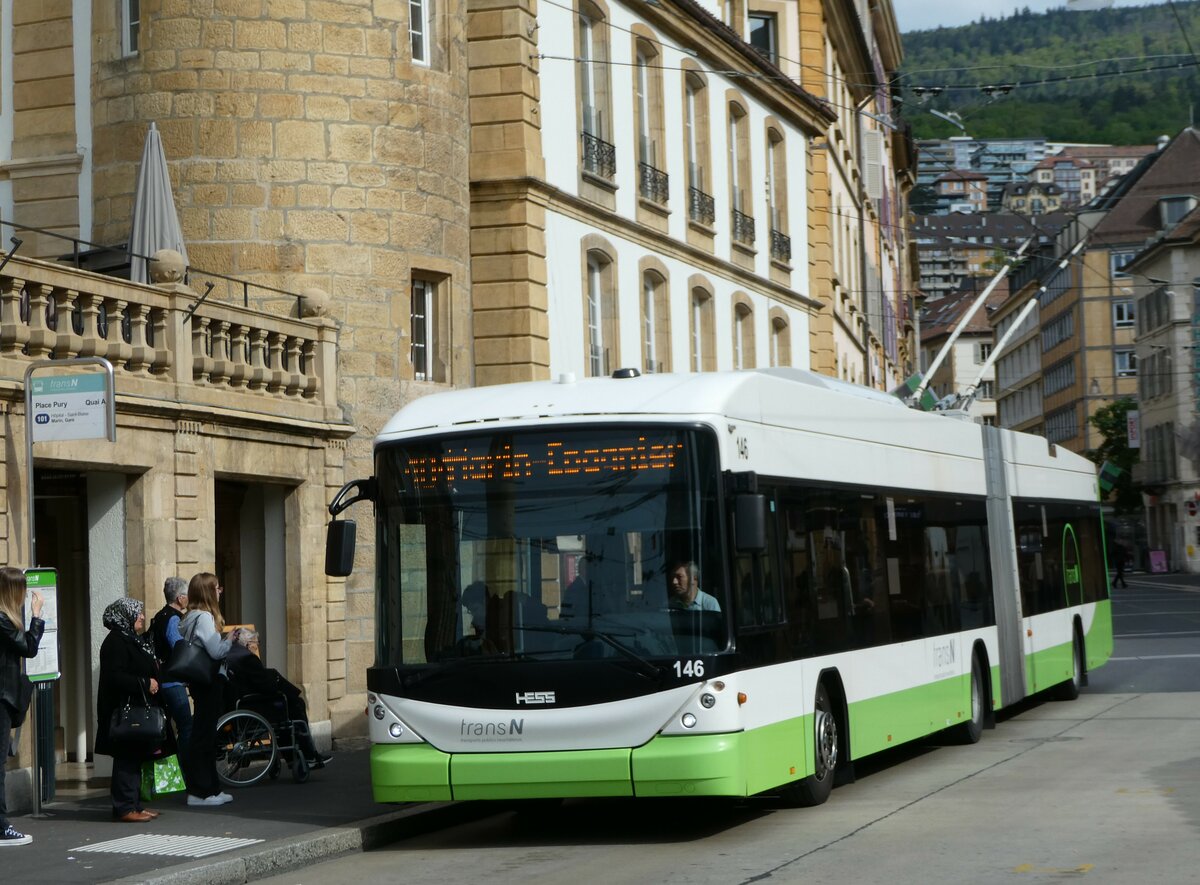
<point x="1171" y="210"/>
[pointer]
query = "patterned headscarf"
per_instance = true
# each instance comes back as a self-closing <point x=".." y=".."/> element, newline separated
<point x="122" y="615"/>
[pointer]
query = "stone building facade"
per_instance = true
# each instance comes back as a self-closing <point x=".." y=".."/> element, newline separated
<point x="318" y="156"/>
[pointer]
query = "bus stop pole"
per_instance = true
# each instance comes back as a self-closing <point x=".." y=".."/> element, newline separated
<point x="35" y="701"/>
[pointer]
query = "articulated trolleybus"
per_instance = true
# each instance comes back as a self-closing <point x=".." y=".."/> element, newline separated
<point x="716" y="584"/>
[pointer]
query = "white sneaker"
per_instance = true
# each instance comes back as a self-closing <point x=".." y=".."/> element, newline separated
<point x="205" y="800"/>
<point x="224" y="797"/>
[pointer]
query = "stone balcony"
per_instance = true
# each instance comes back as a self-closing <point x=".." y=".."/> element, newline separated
<point x="167" y="350"/>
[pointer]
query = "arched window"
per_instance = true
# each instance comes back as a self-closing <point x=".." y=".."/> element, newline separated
<point x="781" y="339"/>
<point x="656" y="339"/>
<point x="648" y="104"/>
<point x="739" y="174"/>
<point x="696" y="144"/>
<point x="781" y="243"/>
<point x="594" y="95"/>
<point x="743" y="333"/>
<point x="599" y="314"/>
<point x="703" y="356"/>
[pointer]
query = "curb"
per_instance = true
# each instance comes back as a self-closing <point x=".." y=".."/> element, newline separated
<point x="281" y="855"/>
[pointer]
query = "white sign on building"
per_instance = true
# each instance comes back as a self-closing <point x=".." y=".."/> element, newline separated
<point x="69" y="407"/>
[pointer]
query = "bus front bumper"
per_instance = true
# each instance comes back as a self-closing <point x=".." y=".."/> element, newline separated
<point x="695" y="765"/>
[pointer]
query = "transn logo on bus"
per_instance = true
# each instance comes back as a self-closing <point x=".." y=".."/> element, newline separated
<point x="535" y="697"/>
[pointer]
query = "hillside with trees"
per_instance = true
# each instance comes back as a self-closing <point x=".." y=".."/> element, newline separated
<point x="1104" y="100"/>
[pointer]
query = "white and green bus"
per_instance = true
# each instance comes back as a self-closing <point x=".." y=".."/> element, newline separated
<point x="715" y="584"/>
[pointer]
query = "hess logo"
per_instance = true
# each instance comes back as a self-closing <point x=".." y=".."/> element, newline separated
<point x="535" y="697"/>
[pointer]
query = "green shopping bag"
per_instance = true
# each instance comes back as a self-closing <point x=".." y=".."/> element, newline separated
<point x="160" y="777"/>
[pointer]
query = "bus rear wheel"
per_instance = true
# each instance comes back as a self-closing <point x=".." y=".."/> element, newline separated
<point x="971" y="731"/>
<point x="815" y="789"/>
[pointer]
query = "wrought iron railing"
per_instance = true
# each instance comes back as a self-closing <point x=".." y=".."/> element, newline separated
<point x="599" y="157"/>
<point x="653" y="184"/>
<point x="701" y="207"/>
<point x="781" y="245"/>
<point x="743" y="228"/>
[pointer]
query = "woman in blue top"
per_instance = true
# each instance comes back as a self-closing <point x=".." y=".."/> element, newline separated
<point x="203" y="621"/>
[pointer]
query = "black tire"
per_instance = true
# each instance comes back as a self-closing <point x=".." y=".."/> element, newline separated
<point x="246" y="748"/>
<point x="815" y="789"/>
<point x="971" y="731"/>
<point x="300" y="769"/>
<point x="1069" y="690"/>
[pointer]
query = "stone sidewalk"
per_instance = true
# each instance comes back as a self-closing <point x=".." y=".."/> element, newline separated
<point x="268" y="828"/>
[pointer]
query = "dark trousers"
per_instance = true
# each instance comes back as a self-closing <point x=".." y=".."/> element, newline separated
<point x="5" y="737"/>
<point x="126" y="781"/>
<point x="200" y="761"/>
<point x="175" y="699"/>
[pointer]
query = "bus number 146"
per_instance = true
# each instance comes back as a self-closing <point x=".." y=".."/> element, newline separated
<point x="689" y="668"/>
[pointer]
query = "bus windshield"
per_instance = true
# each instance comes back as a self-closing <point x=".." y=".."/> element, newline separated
<point x="570" y="543"/>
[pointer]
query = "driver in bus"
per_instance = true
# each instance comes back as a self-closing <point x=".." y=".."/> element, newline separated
<point x="685" y="592"/>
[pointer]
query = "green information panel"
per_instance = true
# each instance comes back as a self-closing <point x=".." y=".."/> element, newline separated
<point x="43" y="667"/>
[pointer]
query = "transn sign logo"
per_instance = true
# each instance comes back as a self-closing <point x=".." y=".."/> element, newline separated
<point x="535" y="697"/>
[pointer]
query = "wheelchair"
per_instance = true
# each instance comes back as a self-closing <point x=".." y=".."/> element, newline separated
<point x="257" y="737"/>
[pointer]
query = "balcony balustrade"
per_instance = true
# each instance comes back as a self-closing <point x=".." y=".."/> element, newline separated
<point x="781" y="246"/>
<point x="743" y="228"/>
<point x="599" y="157"/>
<point x="653" y="184"/>
<point x="166" y="344"/>
<point x="702" y="208"/>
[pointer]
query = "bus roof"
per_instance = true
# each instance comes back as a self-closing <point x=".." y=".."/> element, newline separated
<point x="732" y="394"/>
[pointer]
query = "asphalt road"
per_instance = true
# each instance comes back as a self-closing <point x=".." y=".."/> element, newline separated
<point x="1105" y="789"/>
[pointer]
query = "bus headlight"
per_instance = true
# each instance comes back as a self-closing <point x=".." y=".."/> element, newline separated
<point x="688" y="720"/>
<point x="395" y="729"/>
<point x="707" y="701"/>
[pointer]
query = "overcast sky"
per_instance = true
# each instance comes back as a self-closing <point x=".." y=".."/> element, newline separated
<point x="918" y="15"/>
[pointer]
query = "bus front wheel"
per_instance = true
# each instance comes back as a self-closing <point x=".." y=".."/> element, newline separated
<point x="815" y="789"/>
<point x="1069" y="690"/>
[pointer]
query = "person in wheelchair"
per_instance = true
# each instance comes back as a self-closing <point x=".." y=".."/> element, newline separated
<point x="280" y="701"/>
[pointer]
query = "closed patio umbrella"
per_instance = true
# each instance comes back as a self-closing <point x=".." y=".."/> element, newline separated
<point x="155" y="222"/>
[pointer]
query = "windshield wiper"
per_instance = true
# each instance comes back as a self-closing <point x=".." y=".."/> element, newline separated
<point x="607" y="638"/>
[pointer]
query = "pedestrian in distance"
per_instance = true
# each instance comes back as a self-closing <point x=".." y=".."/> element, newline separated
<point x="1119" y="557"/>
<point x="128" y="676"/>
<point x="16" y="642"/>
<point x="165" y="631"/>
<point x="204" y="622"/>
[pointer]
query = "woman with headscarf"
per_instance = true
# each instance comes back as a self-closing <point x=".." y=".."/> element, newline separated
<point x="203" y="622"/>
<point x="128" y="675"/>
<point x="16" y="642"/>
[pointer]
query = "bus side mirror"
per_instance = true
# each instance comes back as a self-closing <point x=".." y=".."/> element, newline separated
<point x="750" y="523"/>
<point x="339" y="548"/>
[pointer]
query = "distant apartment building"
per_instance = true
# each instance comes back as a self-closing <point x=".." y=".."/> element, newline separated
<point x="1031" y="198"/>
<point x="959" y="191"/>
<point x="953" y="247"/>
<point x="1001" y="160"/>
<point x="1079" y="345"/>
<point x="1075" y="178"/>
<point x="1109" y="161"/>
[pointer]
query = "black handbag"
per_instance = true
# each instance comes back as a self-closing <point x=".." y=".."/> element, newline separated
<point x="145" y="725"/>
<point x="190" y="662"/>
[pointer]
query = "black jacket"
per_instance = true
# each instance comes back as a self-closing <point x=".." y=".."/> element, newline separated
<point x="15" y="644"/>
<point x="248" y="674"/>
<point x="158" y="630"/>
<point x="125" y="672"/>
